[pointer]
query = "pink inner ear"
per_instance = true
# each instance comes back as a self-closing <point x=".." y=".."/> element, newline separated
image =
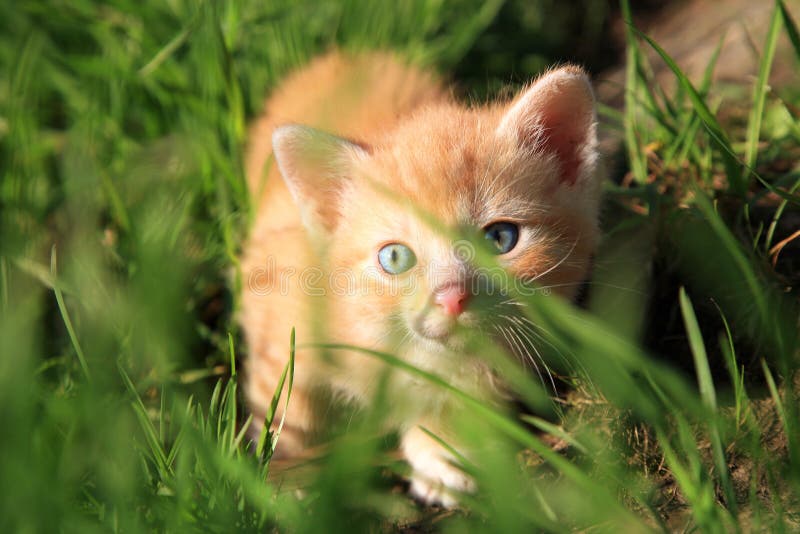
<point x="566" y="123"/>
<point x="566" y="143"/>
<point x="556" y="115"/>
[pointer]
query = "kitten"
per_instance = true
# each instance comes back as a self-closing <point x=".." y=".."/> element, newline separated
<point x="352" y="244"/>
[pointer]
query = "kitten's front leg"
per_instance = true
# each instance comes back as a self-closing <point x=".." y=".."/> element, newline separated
<point x="436" y="478"/>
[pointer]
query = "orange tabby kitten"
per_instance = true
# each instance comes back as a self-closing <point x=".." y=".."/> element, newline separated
<point x="374" y="162"/>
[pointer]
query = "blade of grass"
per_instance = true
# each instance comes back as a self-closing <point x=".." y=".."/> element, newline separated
<point x="460" y="458"/>
<point x="181" y="437"/>
<point x="789" y="197"/>
<point x="213" y="405"/>
<point x="737" y="377"/>
<point x="707" y="393"/>
<point x="242" y="433"/>
<point x="776" y="217"/>
<point x="150" y="433"/>
<point x="162" y="414"/>
<point x="698" y="351"/>
<point x="4" y="283"/>
<point x="688" y="132"/>
<point x="741" y="261"/>
<point x="791" y="27"/>
<point x="168" y="49"/>
<point x="760" y="93"/>
<point x="776" y="397"/>
<point x="451" y="50"/>
<point x="270" y="415"/>
<point x="632" y="141"/>
<point x="62" y="308"/>
<point x="232" y="354"/>
<point x="688" y="471"/>
<point x="231" y="414"/>
<point x="554" y="430"/>
<point x="652" y="106"/>
<point x="118" y="208"/>
<point x="290" y="369"/>
<point x="682" y="142"/>
<point x="613" y="116"/>
<point x="727" y="153"/>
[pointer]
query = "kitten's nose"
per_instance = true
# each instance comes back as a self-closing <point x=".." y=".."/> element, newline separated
<point x="452" y="298"/>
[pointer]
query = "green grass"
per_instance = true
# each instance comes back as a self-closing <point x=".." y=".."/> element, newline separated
<point x="122" y="212"/>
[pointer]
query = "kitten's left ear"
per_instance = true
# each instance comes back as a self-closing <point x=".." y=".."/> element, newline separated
<point x="315" y="166"/>
<point x="556" y="114"/>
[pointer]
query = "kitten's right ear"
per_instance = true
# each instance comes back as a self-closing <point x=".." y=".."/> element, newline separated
<point x="556" y="115"/>
<point x="315" y="166"/>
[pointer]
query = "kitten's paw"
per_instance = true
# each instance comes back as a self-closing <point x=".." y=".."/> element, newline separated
<point x="435" y="480"/>
<point x="441" y="486"/>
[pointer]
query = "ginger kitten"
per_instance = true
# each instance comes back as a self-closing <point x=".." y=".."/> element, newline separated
<point x="361" y="170"/>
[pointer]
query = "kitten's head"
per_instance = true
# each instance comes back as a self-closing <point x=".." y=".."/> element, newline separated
<point x="405" y="219"/>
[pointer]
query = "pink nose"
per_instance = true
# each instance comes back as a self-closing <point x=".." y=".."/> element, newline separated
<point x="452" y="298"/>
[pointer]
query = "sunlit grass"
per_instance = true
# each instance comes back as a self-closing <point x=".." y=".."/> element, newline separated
<point x="123" y="207"/>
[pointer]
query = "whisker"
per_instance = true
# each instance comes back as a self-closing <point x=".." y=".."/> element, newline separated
<point x="593" y="283"/>
<point x="529" y="325"/>
<point x="512" y="346"/>
<point x="532" y="345"/>
<point x="518" y="349"/>
<point x="558" y="264"/>
<point x="515" y="334"/>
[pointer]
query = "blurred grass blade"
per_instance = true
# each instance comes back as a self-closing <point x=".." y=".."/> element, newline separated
<point x="62" y="308"/>
<point x="177" y="443"/>
<point x="216" y="395"/>
<point x="232" y="353"/>
<point x="117" y="205"/>
<point x="168" y="49"/>
<point x="708" y="73"/>
<point x="791" y="27"/>
<point x="459" y="39"/>
<point x="787" y="196"/>
<point x="780" y="409"/>
<point x="3" y="283"/>
<point x="156" y="451"/>
<point x="760" y="92"/>
<point x="237" y="441"/>
<point x="776" y="398"/>
<point x="555" y="431"/>
<point x="460" y="458"/>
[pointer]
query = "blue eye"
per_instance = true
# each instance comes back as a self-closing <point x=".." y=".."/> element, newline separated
<point x="502" y="236"/>
<point x="396" y="258"/>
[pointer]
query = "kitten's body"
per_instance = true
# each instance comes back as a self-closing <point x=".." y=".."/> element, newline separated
<point x="418" y="163"/>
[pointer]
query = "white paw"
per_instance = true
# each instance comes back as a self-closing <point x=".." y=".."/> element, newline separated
<point x="435" y="480"/>
<point x="442" y="489"/>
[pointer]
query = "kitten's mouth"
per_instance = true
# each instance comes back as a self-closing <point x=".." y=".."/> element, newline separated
<point x="433" y="332"/>
<point x="441" y="329"/>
